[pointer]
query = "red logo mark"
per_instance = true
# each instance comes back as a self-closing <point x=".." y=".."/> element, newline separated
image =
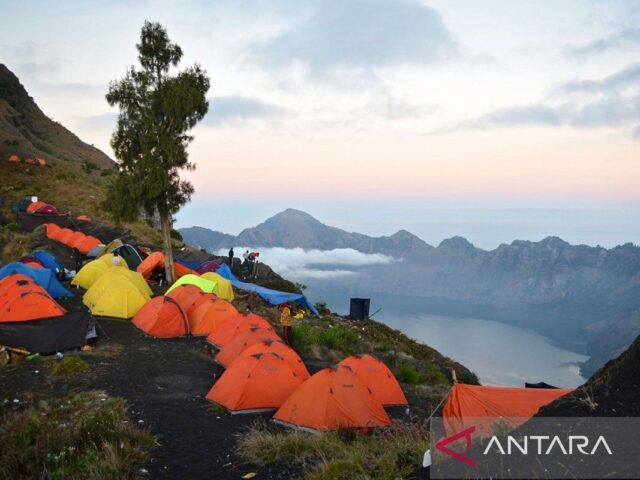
<point x="466" y="434"/>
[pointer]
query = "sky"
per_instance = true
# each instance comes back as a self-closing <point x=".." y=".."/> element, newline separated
<point x="488" y="119"/>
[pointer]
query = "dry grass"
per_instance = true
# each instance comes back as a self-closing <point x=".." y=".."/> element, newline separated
<point x="82" y="436"/>
<point x="387" y="454"/>
<point x="68" y="366"/>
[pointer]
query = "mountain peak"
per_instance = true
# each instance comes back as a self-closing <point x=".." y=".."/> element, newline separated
<point x="457" y="243"/>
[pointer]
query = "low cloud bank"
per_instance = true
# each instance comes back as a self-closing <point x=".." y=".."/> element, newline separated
<point x="300" y="264"/>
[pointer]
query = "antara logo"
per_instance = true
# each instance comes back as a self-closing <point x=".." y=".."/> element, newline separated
<point x="541" y="445"/>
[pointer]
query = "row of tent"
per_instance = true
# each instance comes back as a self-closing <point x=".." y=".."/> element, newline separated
<point x="72" y="238"/>
<point x="32" y="161"/>
<point x="262" y="373"/>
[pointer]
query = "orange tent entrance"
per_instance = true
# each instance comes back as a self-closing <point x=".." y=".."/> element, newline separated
<point x="255" y="383"/>
<point x="228" y="330"/>
<point x="377" y="377"/>
<point x="485" y="406"/>
<point x="241" y="342"/>
<point x="209" y="315"/>
<point x="162" y="317"/>
<point x="331" y="399"/>
<point x="280" y="348"/>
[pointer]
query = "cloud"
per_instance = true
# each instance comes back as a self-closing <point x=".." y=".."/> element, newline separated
<point x="624" y="38"/>
<point x="636" y="133"/>
<point x="629" y="76"/>
<point x="102" y="121"/>
<point x="360" y="34"/>
<point x="230" y="108"/>
<point x="299" y="264"/>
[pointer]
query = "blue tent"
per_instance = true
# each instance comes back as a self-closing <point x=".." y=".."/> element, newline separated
<point x="274" y="297"/>
<point x="48" y="260"/>
<point x="191" y="264"/>
<point x="93" y="253"/>
<point x="42" y="276"/>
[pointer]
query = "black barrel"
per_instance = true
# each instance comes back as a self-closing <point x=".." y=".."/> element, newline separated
<point x="359" y="309"/>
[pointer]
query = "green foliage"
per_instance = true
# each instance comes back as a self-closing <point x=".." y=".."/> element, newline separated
<point x="13" y="227"/>
<point x="69" y="365"/>
<point x="150" y="141"/>
<point x="408" y="374"/>
<point x="343" y="339"/>
<point x="433" y="375"/>
<point x="387" y="454"/>
<point x="82" y="436"/>
<point x="176" y="235"/>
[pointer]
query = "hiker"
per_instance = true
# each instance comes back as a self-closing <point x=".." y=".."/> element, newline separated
<point x="231" y="258"/>
<point x="285" y="321"/>
<point x="245" y="257"/>
<point x="117" y="261"/>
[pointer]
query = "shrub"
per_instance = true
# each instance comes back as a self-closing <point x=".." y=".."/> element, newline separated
<point x="304" y="337"/>
<point x="339" y="338"/>
<point x="13" y="227"/>
<point x="84" y="435"/>
<point x="408" y="374"/>
<point x="433" y="375"/>
<point x="389" y="453"/>
<point x="175" y="234"/>
<point x="70" y="365"/>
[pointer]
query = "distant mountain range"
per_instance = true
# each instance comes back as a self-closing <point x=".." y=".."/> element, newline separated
<point x="574" y="294"/>
<point x="293" y="228"/>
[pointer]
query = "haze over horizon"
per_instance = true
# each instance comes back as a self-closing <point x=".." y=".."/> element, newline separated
<point x="488" y="120"/>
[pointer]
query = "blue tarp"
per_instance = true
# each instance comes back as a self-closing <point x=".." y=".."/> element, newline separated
<point x="48" y="261"/>
<point x="274" y="297"/>
<point x="191" y="264"/>
<point x="42" y="276"/>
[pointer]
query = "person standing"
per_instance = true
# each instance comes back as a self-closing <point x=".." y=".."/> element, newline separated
<point x="245" y="257"/>
<point x="231" y="258"/>
<point x="285" y="321"/>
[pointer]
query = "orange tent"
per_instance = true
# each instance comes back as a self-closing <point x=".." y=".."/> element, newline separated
<point x="15" y="284"/>
<point x="331" y="399"/>
<point x="86" y="244"/>
<point x="255" y="383"/>
<point x="185" y="295"/>
<point x="34" y="206"/>
<point x="241" y="342"/>
<point x="377" y="377"/>
<point x="162" y="317"/>
<point x="156" y="260"/>
<point x="227" y="331"/>
<point x="483" y="406"/>
<point x="209" y="315"/>
<point x="280" y="348"/>
<point x="29" y="160"/>
<point x="85" y="218"/>
<point x="30" y="304"/>
<point x="73" y="238"/>
<point x="64" y="235"/>
<point x="52" y="230"/>
<point x="41" y="161"/>
<point x="196" y="300"/>
<point x="13" y="158"/>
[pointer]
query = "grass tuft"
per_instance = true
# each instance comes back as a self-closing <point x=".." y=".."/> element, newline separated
<point x="386" y="454"/>
<point x="68" y="366"/>
<point x="81" y="436"/>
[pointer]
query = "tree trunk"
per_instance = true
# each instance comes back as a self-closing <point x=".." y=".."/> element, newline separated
<point x="165" y="226"/>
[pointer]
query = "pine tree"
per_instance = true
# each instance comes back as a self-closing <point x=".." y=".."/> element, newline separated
<point x="157" y="109"/>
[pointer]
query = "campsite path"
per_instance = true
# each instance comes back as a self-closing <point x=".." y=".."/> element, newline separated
<point x="164" y="382"/>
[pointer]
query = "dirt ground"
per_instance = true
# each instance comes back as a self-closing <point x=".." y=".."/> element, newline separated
<point x="164" y="383"/>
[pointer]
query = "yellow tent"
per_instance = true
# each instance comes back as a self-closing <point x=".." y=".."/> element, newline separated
<point x="202" y="283"/>
<point x="108" y="260"/>
<point x="223" y="288"/>
<point x="109" y="247"/>
<point x="109" y="277"/>
<point x="121" y="300"/>
<point x="89" y="273"/>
